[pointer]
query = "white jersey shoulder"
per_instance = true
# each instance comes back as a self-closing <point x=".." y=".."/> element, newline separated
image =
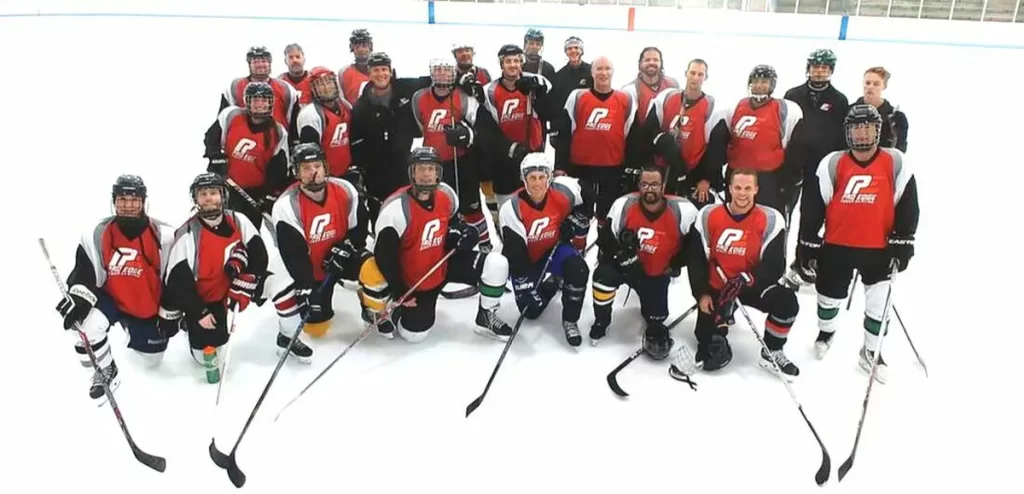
<point x="685" y="210"/>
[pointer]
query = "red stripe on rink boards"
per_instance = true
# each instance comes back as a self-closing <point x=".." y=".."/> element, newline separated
<point x="631" y="19"/>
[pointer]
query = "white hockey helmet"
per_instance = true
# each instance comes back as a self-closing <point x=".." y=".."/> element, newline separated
<point x="535" y="162"/>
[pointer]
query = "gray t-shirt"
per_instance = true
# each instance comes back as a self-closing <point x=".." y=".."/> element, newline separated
<point x="381" y="100"/>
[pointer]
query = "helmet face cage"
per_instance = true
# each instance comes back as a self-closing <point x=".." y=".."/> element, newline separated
<point x="863" y="126"/>
<point x="442" y="74"/>
<point x="259" y="100"/>
<point x="209" y="181"/>
<point x="129" y="186"/>
<point x="324" y="84"/>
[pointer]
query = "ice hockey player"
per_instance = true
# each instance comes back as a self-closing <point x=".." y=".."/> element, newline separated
<point x="116" y="279"/>
<point x="824" y="108"/>
<point x="747" y="242"/>
<point x="327" y="122"/>
<point x="646" y="236"/>
<point x="468" y="75"/>
<point x="417" y="227"/>
<point x="286" y="98"/>
<point x="321" y="231"/>
<point x="680" y="122"/>
<point x="756" y="133"/>
<point x="894" y="121"/>
<point x="592" y="136"/>
<point x="247" y="146"/>
<point x="868" y="204"/>
<point x="576" y="74"/>
<point x="383" y="128"/>
<point x="650" y="81"/>
<point x="297" y="76"/>
<point x="533" y="46"/>
<point x="218" y="262"/>
<point x="541" y="221"/>
<point x="446" y="116"/>
<point x="512" y="121"/>
<point x="356" y="75"/>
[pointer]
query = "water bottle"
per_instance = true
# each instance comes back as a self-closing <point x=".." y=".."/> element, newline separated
<point x="210" y="363"/>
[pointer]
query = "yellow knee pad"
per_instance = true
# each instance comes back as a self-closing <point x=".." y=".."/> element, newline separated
<point x="373" y="291"/>
<point x="317" y="329"/>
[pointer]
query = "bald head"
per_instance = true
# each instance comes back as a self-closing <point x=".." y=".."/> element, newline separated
<point x="602" y="71"/>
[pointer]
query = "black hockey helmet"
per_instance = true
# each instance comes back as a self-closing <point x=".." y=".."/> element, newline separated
<point x="763" y="72"/>
<point x="424" y="155"/>
<point x="306" y="153"/>
<point x="359" y="36"/>
<point x="534" y="34"/>
<point x="258" y="53"/>
<point x="129" y="185"/>
<point x="861" y="116"/>
<point x="508" y="51"/>
<point x="209" y="180"/>
<point x="379" y="59"/>
<point x="262" y="90"/>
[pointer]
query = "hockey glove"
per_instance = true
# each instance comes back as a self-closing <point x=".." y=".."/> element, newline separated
<point x="354" y="176"/>
<point x="527" y="84"/>
<point x="458" y="135"/>
<point x="901" y="248"/>
<point x="267" y="203"/>
<point x="527" y="296"/>
<point x="628" y="257"/>
<point x="807" y="254"/>
<point x="732" y="290"/>
<point x="575" y="225"/>
<point x="461" y="236"/>
<point x="304" y="302"/>
<point x="169" y="323"/>
<point x="218" y="164"/>
<point x="472" y="86"/>
<point x="242" y="291"/>
<point x="76" y="306"/>
<point x="516" y="153"/>
<point x="667" y="144"/>
<point x="237" y="261"/>
<point x="630" y="177"/>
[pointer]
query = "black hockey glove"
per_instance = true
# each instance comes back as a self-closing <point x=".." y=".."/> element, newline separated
<point x="461" y="236"/>
<point x="169" y="323"/>
<point x="471" y="85"/>
<point x="305" y="301"/>
<point x="667" y="144"/>
<point x="267" y="204"/>
<point x="458" y="135"/>
<point x="527" y="84"/>
<point x="354" y="176"/>
<point x="516" y="153"/>
<point x="76" y="306"/>
<point x="575" y="225"/>
<point x="807" y="253"/>
<point x="628" y="257"/>
<point x="237" y="261"/>
<point x="218" y="164"/>
<point x="344" y="260"/>
<point x="526" y="294"/>
<point x="901" y="248"/>
<point x="630" y="177"/>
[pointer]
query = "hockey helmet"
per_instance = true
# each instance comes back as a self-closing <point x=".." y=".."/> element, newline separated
<point x="535" y="162"/>
<point x="424" y="155"/>
<point x="129" y="186"/>
<point x="310" y="153"/>
<point x="359" y="36"/>
<point x="323" y="83"/>
<point x="255" y="91"/>
<point x="822" y="56"/>
<point x="858" y="120"/>
<point x="258" y="53"/>
<point x="762" y="72"/>
<point x="442" y="73"/>
<point x="533" y="34"/>
<point x="205" y="181"/>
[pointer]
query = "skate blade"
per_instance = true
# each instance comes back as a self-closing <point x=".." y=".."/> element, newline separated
<point x="820" y="349"/>
<point x="113" y="385"/>
<point x="301" y="360"/>
<point x="767" y="366"/>
<point x="490" y="334"/>
<point x="865" y="367"/>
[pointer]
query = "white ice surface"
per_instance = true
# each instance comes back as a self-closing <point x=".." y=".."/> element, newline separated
<point x="87" y="99"/>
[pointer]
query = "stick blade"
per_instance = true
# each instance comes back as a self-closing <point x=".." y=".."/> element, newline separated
<point x="220" y="459"/>
<point x="845" y="467"/>
<point x="235" y="474"/>
<point x="155" y="462"/>
<point x="474" y="405"/>
<point x="825" y="471"/>
<point x="614" y="384"/>
<point x="469" y="291"/>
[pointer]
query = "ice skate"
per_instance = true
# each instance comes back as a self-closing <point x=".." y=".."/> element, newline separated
<point x="823" y="343"/>
<point x="110" y="377"/>
<point x="386" y="328"/>
<point x="300" y="351"/>
<point x="490" y="325"/>
<point x="598" y="330"/>
<point x="789" y="369"/>
<point x="865" y="364"/>
<point x="572" y="334"/>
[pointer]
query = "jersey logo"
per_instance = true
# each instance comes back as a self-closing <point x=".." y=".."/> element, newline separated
<point x="340" y="135"/>
<point x="537" y="233"/>
<point x="436" y="122"/>
<point x="122" y="256"/>
<point x="731" y="242"/>
<point x="595" y="118"/>
<point x="744" y="123"/>
<point x="242" y="149"/>
<point x="431" y="235"/>
<point x="859" y="191"/>
<point x="508" y="111"/>
<point x="643" y="235"/>
<point x="318" y="231"/>
<point x="680" y="122"/>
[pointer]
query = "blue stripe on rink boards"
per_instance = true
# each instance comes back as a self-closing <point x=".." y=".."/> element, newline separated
<point x="843" y="24"/>
<point x="430" y="12"/>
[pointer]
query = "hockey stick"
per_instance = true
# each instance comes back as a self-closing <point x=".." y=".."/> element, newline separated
<point x="848" y="464"/>
<point x="369" y="329"/>
<point x="229" y="462"/>
<point x="473" y="405"/>
<point x="912" y="347"/>
<point x="219" y="458"/>
<point x="826" y="462"/>
<point x="461" y="293"/>
<point x="853" y="287"/>
<point x="613" y="375"/>
<point x="252" y="202"/>
<point x="155" y="462"/>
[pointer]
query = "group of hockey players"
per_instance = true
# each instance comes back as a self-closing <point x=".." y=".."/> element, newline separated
<point x="670" y="178"/>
